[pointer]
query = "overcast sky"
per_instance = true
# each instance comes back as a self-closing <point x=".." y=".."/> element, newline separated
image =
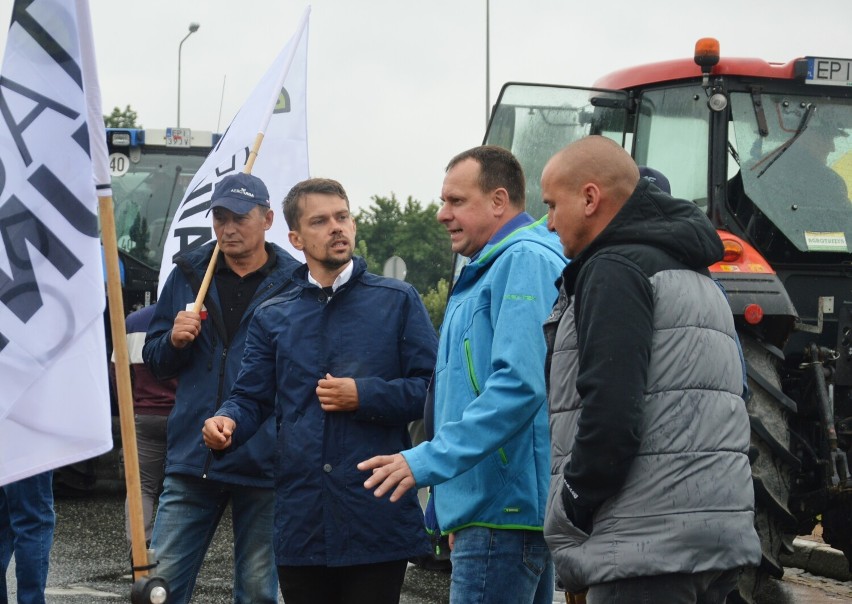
<point x="396" y="88"/>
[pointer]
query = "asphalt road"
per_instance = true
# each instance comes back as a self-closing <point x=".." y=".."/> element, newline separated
<point x="90" y="564"/>
<point x="90" y="560"/>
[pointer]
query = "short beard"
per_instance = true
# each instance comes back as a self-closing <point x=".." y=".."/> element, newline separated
<point x="335" y="263"/>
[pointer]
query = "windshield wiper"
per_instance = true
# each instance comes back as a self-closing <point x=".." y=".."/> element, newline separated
<point x="806" y="119"/>
<point x="759" y="113"/>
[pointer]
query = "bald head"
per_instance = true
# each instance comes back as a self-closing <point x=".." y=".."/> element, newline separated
<point x="584" y="186"/>
<point x="600" y="160"/>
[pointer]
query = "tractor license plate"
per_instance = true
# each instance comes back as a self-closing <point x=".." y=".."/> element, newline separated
<point x="178" y="137"/>
<point x="831" y="72"/>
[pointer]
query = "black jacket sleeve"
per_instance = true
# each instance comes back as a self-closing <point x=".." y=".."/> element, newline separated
<point x="614" y="320"/>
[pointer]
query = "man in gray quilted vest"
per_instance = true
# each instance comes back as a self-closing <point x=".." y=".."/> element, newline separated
<point x="651" y="496"/>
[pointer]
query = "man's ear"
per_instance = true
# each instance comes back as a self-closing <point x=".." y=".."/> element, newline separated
<point x="267" y="221"/>
<point x="296" y="240"/>
<point x="500" y="201"/>
<point x="591" y="198"/>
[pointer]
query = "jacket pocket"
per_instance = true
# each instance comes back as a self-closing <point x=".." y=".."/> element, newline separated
<point x="559" y="531"/>
<point x="471" y="369"/>
<point x="473" y="382"/>
<point x="563" y="539"/>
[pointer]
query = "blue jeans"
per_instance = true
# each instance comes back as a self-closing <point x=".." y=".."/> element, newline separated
<point x="499" y="566"/>
<point x="187" y="517"/>
<point x="26" y="528"/>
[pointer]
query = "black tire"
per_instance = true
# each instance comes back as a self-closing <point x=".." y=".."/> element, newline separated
<point x="837" y="528"/>
<point x="772" y="466"/>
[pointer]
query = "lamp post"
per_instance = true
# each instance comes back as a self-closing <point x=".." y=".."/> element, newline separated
<point x="487" y="62"/>
<point x="193" y="27"/>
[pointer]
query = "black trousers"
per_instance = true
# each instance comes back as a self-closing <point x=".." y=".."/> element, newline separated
<point x="708" y="587"/>
<point x="361" y="584"/>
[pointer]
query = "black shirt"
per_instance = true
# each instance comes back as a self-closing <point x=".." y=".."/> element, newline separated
<point x="235" y="292"/>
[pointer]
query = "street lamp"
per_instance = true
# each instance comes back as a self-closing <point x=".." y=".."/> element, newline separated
<point x="487" y="62"/>
<point x="193" y="27"/>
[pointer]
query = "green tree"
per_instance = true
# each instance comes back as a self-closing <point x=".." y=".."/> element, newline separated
<point x="435" y="301"/>
<point x="361" y="250"/>
<point x="119" y="118"/>
<point x="387" y="228"/>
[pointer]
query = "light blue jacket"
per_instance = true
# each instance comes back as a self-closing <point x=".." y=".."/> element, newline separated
<point x="489" y="459"/>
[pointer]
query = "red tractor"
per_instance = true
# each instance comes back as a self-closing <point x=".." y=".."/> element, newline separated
<point x="764" y="149"/>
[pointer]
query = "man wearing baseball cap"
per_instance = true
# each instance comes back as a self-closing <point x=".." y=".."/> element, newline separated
<point x="240" y="193"/>
<point x="802" y="172"/>
<point x="655" y="177"/>
<point x="204" y="350"/>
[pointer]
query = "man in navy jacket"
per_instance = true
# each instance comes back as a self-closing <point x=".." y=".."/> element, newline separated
<point x="203" y="350"/>
<point x="342" y="359"/>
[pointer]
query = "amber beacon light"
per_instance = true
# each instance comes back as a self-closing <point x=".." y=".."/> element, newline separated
<point x="706" y="56"/>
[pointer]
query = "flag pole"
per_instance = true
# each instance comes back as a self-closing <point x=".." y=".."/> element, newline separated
<point x="109" y="242"/>
<point x="211" y="267"/>
<point x="133" y="483"/>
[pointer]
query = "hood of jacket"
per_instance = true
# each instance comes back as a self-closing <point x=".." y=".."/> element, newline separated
<point x="535" y="232"/>
<point x="652" y="217"/>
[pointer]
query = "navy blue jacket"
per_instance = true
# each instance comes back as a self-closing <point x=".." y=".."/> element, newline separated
<point x="377" y="331"/>
<point x="206" y="370"/>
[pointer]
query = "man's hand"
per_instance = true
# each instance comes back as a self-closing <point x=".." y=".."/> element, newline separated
<point x="186" y="328"/>
<point x="337" y="394"/>
<point x="389" y="471"/>
<point x="578" y="515"/>
<point x="217" y="432"/>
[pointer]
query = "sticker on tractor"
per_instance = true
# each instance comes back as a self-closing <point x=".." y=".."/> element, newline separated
<point x="826" y="242"/>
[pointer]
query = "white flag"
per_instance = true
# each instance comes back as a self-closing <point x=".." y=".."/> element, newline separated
<point x="275" y="108"/>
<point x="54" y="400"/>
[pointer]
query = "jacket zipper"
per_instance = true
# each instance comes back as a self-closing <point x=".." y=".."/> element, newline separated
<point x="209" y="459"/>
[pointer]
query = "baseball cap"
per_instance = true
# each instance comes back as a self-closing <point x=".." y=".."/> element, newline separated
<point x="656" y="177"/>
<point x="239" y="193"/>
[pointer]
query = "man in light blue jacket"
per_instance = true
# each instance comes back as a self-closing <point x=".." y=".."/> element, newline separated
<point x="489" y="458"/>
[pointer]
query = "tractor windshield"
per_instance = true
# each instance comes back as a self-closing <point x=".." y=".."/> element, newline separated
<point x="146" y="197"/>
<point x="795" y="164"/>
<point x="534" y="122"/>
<point x="672" y="136"/>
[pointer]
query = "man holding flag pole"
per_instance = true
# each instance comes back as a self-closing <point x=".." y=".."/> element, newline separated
<point x="202" y="344"/>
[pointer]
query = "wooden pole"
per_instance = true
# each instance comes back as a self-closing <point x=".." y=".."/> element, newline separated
<point x="125" y="394"/>
<point x="211" y="267"/>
